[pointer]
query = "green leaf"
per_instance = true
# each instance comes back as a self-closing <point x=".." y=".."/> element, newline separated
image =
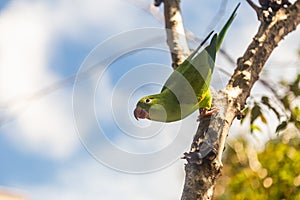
<point x="265" y="101"/>
<point x="296" y="111"/>
<point x="255" y="113"/>
<point x="262" y="118"/>
<point x="294" y="87"/>
<point x="254" y="127"/>
<point x="281" y="126"/>
<point x="245" y="112"/>
<point x="295" y="115"/>
<point x="297" y="124"/>
<point x="286" y="102"/>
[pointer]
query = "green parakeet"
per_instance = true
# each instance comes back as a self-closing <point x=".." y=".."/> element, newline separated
<point x="187" y="88"/>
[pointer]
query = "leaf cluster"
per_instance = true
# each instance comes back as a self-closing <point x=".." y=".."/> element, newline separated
<point x="271" y="174"/>
<point x="285" y="107"/>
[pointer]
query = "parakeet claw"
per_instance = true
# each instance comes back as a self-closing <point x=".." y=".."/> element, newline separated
<point x="205" y="112"/>
<point x="140" y="113"/>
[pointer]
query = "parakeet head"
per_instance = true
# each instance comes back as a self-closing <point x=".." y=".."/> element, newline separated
<point x="150" y="107"/>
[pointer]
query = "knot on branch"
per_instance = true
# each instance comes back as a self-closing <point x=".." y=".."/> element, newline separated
<point x="275" y="5"/>
<point x="268" y="8"/>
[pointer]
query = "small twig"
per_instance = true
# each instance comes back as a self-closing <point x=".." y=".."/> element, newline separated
<point x="257" y="9"/>
<point x="158" y="2"/>
<point x="253" y="5"/>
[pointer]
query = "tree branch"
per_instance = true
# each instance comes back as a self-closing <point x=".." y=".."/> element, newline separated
<point x="204" y="159"/>
<point x="255" y="7"/>
<point x="176" y="39"/>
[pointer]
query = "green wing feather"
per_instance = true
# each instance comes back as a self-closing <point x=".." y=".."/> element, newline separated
<point x="225" y="28"/>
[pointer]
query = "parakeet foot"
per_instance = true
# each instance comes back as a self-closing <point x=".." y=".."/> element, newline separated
<point x="204" y="112"/>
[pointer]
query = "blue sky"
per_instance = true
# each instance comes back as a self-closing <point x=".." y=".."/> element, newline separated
<point x="43" y="42"/>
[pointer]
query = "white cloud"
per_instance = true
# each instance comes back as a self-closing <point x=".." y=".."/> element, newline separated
<point x="24" y="53"/>
<point x="44" y="126"/>
<point x="90" y="180"/>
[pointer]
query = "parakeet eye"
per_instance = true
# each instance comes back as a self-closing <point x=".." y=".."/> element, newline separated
<point x="147" y="100"/>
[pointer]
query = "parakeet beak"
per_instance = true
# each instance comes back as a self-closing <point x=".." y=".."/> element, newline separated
<point x="140" y="113"/>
